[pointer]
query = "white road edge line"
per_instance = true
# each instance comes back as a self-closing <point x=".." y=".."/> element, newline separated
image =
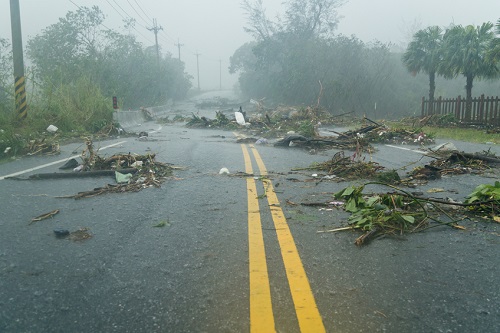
<point x="52" y="163"/>
<point x="413" y="150"/>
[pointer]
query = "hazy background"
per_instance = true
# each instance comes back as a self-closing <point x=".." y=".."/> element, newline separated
<point x="214" y="28"/>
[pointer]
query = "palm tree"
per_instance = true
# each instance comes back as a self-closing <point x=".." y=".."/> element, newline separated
<point x="495" y="45"/>
<point x="424" y="54"/>
<point x="465" y="51"/>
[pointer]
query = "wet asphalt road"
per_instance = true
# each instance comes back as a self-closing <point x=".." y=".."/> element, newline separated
<point x="192" y="275"/>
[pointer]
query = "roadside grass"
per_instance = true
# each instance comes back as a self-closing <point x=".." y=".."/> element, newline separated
<point x="473" y="135"/>
<point x="77" y="110"/>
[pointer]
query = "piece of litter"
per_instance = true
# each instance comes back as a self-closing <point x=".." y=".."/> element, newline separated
<point x="261" y="141"/>
<point x="240" y="119"/>
<point x="52" y="129"/>
<point x="224" y="171"/>
<point x="122" y="178"/>
<point x="78" y="168"/>
<point x="136" y="164"/>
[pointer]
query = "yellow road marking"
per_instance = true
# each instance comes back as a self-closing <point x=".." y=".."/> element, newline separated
<point x="305" y="305"/>
<point x="261" y="311"/>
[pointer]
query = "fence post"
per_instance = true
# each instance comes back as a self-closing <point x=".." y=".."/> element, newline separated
<point x="457" y="108"/>
<point x="481" y="109"/>
<point x="497" y="113"/>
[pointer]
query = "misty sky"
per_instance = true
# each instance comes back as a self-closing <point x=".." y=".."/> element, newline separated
<point x="214" y="28"/>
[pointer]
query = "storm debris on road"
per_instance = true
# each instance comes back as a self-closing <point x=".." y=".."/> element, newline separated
<point x="221" y="121"/>
<point x="399" y="136"/>
<point x="45" y="216"/>
<point x="144" y="169"/>
<point x="345" y="167"/>
<point x="80" y="235"/>
<point x="454" y="163"/>
<point x="43" y="146"/>
<point x="399" y="212"/>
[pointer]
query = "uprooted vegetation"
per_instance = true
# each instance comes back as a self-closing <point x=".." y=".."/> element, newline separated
<point x="399" y="211"/>
<point x="342" y="167"/>
<point x="454" y="163"/>
<point x="132" y="172"/>
<point x="143" y="171"/>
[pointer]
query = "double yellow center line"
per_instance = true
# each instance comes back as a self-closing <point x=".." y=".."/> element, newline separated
<point x="261" y="312"/>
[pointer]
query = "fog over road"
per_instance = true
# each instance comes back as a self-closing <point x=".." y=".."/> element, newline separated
<point x="194" y="274"/>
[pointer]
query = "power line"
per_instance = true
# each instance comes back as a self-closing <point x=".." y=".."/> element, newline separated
<point x="135" y="10"/>
<point x="142" y="10"/>
<point x="124" y="18"/>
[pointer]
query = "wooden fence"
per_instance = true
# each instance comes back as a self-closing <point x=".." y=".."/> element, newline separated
<point x="485" y="110"/>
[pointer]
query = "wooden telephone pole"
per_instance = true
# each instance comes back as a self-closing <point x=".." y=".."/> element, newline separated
<point x="179" y="47"/>
<point x="156" y="29"/>
<point x="198" y="67"/>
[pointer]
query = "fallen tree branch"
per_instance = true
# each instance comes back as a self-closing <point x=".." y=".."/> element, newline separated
<point x="337" y="229"/>
<point x="83" y="174"/>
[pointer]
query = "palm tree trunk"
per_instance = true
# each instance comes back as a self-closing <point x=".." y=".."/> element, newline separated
<point x="432" y="89"/>
<point x="468" y="101"/>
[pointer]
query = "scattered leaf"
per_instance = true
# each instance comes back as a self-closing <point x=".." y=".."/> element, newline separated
<point x="161" y="224"/>
<point x="435" y="190"/>
<point x="456" y="226"/>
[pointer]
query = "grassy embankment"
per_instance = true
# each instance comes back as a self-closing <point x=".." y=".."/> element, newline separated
<point x="474" y="135"/>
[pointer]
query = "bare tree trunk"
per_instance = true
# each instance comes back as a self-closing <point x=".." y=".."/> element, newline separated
<point x="432" y="89"/>
<point x="468" y="101"/>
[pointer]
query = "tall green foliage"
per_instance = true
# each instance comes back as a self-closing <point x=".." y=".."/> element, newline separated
<point x="78" y="106"/>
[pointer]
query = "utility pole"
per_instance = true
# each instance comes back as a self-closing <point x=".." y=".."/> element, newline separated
<point x="156" y="29"/>
<point x="220" y="74"/>
<point x="17" y="52"/>
<point x="198" y="67"/>
<point x="179" y="47"/>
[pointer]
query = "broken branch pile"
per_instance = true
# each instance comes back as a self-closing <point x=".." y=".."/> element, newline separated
<point x="43" y="146"/>
<point x="149" y="171"/>
<point x="401" y="212"/>
<point x="220" y="121"/>
<point x="455" y="163"/>
<point x="345" y="167"/>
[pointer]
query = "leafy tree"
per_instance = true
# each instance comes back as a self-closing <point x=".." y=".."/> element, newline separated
<point x="424" y="54"/>
<point x="78" y="45"/>
<point x="465" y="52"/>
<point x="6" y="75"/>
<point x="495" y="45"/>
<point x="65" y="49"/>
<point x="304" y="18"/>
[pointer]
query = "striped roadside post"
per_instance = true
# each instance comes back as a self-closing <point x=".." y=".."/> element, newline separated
<point x="21" y="105"/>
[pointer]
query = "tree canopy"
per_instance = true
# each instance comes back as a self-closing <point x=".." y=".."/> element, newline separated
<point x="424" y="54"/>
<point x="298" y="54"/>
<point x="79" y="45"/>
